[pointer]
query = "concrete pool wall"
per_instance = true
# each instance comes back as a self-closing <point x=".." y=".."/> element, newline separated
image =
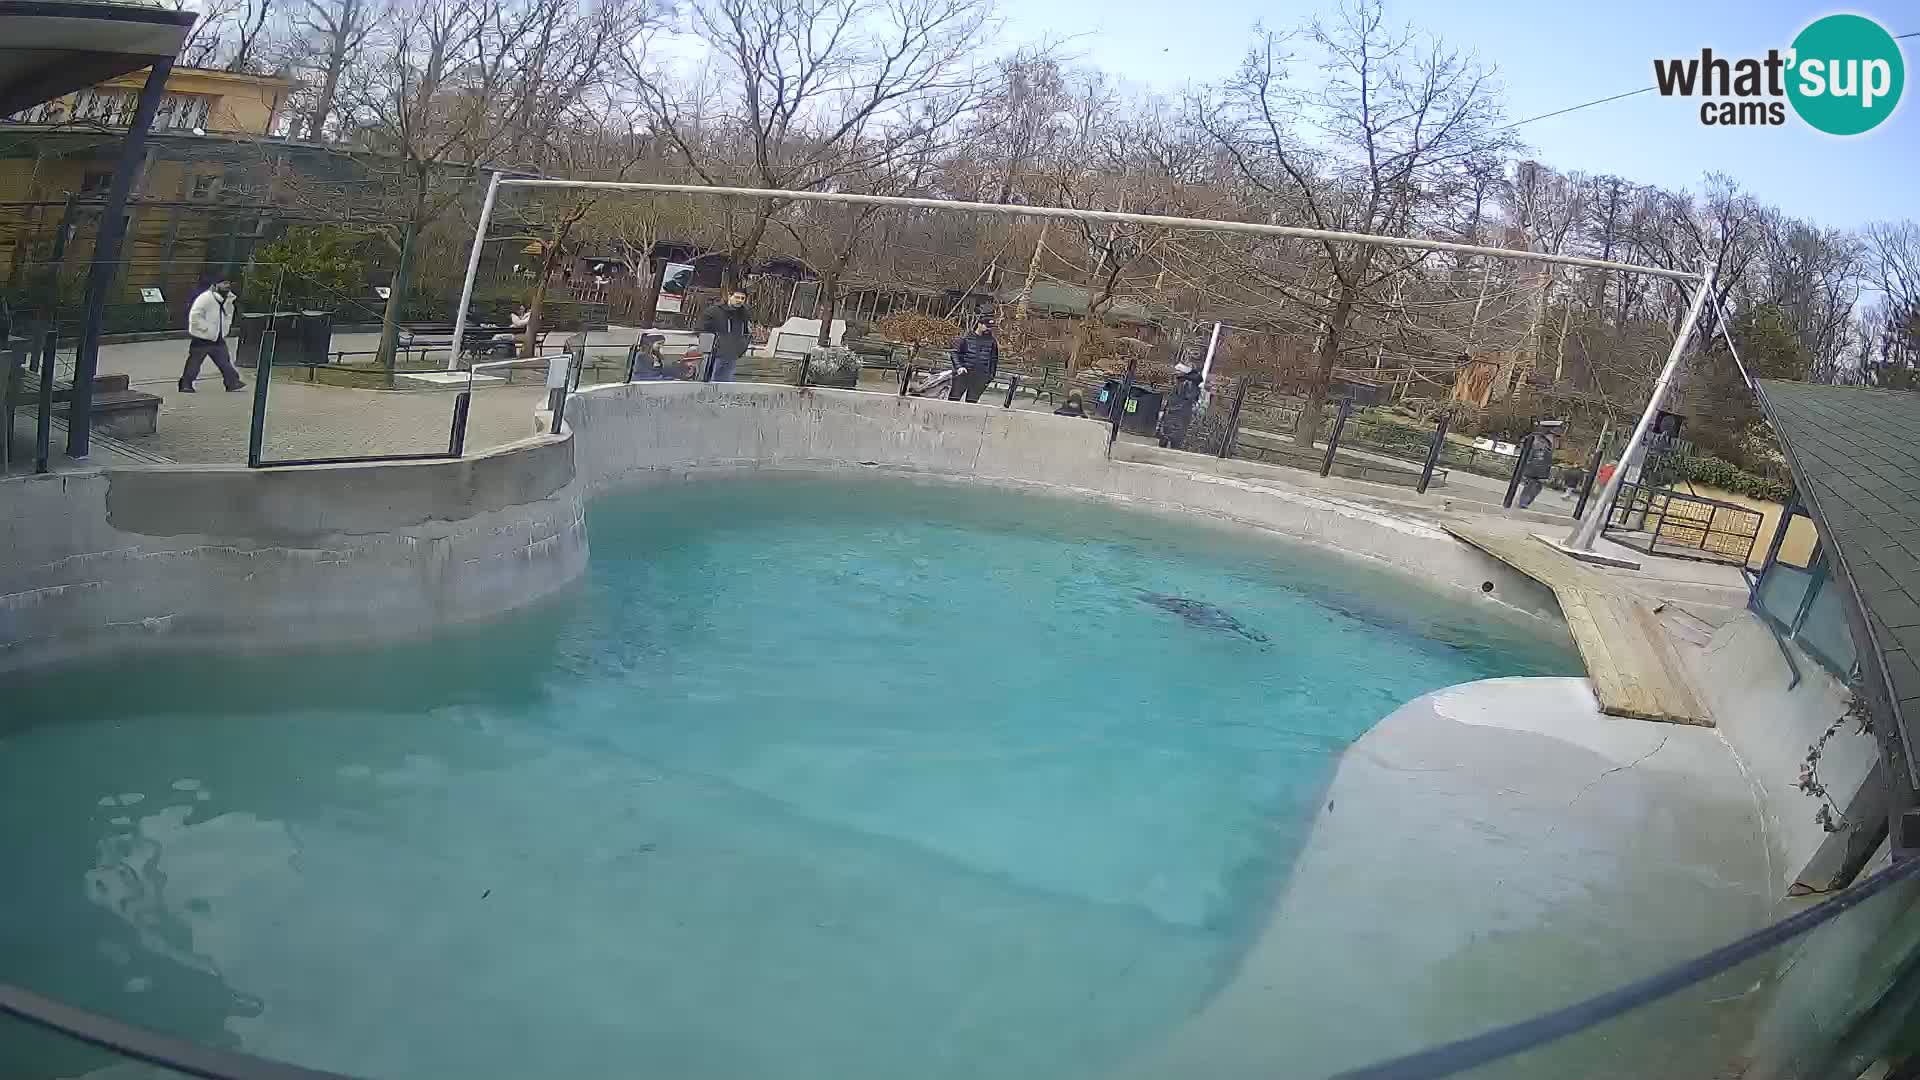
<point x="659" y="432"/>
<point x="188" y="555"/>
<point x="184" y="555"/>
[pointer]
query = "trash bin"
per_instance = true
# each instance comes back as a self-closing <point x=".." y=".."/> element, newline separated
<point x="316" y="338"/>
<point x="1103" y="398"/>
<point x="251" y="325"/>
<point x="286" y="336"/>
<point x="1142" y="413"/>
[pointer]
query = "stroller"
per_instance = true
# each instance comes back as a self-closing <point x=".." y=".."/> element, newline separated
<point x="934" y="385"/>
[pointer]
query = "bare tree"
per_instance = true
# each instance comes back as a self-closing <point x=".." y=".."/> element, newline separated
<point x="452" y="86"/>
<point x="815" y="91"/>
<point x="829" y="236"/>
<point x="331" y="33"/>
<point x="250" y="38"/>
<point x="1361" y="151"/>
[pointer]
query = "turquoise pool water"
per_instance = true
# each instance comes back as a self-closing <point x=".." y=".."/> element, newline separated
<point x="808" y="779"/>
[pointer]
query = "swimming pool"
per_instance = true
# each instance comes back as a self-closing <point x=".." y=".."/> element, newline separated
<point x="808" y="778"/>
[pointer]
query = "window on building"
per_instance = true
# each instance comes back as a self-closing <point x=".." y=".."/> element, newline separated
<point x="95" y="181"/>
<point x="205" y="187"/>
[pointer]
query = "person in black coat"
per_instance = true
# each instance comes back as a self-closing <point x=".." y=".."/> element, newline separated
<point x="1538" y="467"/>
<point x="727" y="323"/>
<point x="975" y="359"/>
<point x="1177" y="416"/>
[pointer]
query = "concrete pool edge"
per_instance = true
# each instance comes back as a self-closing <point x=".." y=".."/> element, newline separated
<point x="644" y="433"/>
<point x="182" y="556"/>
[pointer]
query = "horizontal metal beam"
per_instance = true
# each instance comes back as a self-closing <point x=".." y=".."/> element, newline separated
<point x="1011" y="210"/>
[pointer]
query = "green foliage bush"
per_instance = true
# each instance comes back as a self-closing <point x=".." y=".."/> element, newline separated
<point x="1716" y="472"/>
<point x="310" y="268"/>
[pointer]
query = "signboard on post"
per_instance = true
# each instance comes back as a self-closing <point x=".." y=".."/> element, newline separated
<point x="676" y="279"/>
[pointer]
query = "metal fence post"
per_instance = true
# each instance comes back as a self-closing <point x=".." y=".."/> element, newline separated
<point x="457" y="443"/>
<point x="1013" y="385"/>
<point x="1118" y="407"/>
<point x="1333" y="437"/>
<point x="1233" y="419"/>
<point x="257" y="431"/>
<point x="1519" y="463"/>
<point x="806" y="362"/>
<point x="10" y="373"/>
<point x="43" y="429"/>
<point x="1593" y="470"/>
<point x="1433" y="452"/>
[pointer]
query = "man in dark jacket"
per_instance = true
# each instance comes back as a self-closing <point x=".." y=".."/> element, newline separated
<point x="1177" y="417"/>
<point x="1538" y="467"/>
<point x="975" y="358"/>
<point x="731" y="335"/>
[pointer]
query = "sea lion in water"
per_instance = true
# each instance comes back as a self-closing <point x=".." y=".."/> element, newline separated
<point x="1202" y="614"/>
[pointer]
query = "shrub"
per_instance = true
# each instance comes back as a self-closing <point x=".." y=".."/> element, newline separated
<point x="914" y="328"/>
<point x="1716" y="472"/>
<point x="837" y="366"/>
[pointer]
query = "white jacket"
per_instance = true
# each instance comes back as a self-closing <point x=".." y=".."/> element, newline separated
<point x="210" y="317"/>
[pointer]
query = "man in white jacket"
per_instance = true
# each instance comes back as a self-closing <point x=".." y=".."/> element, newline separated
<point x="208" y="321"/>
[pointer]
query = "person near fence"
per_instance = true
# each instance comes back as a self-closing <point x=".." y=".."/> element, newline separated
<point x="727" y="322"/>
<point x="1177" y="417"/>
<point x="976" y="357"/>
<point x="208" y="321"/>
<point x="1538" y="467"/>
<point x="507" y="342"/>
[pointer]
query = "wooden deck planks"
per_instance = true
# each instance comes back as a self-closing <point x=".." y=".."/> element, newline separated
<point x="1630" y="662"/>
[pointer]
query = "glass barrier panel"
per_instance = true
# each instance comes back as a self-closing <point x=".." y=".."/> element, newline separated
<point x="1781" y="592"/>
<point x="1827" y="1004"/>
<point x="1825" y="632"/>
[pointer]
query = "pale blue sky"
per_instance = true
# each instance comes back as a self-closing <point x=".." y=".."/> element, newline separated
<point x="1552" y="55"/>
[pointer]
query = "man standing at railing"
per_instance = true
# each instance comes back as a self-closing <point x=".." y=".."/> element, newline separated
<point x="1177" y="417"/>
<point x="725" y="333"/>
<point x="208" y="321"/>
<point x="976" y="357"/>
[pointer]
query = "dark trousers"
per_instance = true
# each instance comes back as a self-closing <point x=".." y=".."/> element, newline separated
<point x="1529" y="487"/>
<point x="972" y="384"/>
<point x="199" y="350"/>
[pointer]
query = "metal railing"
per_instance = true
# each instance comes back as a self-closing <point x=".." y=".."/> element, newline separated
<point x="1661" y="521"/>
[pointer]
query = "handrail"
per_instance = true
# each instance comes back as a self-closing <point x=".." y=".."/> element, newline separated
<point x="1474" y="1051"/>
<point x="166" y="1051"/>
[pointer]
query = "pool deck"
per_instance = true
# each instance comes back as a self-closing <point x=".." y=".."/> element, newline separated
<point x="1632" y="665"/>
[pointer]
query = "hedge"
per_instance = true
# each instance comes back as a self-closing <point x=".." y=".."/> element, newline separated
<point x="1715" y="472"/>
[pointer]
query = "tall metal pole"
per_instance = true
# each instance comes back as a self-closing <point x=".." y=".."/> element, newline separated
<point x="473" y="271"/>
<point x="106" y="256"/>
<point x="1587" y="532"/>
<point x="1206" y="368"/>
